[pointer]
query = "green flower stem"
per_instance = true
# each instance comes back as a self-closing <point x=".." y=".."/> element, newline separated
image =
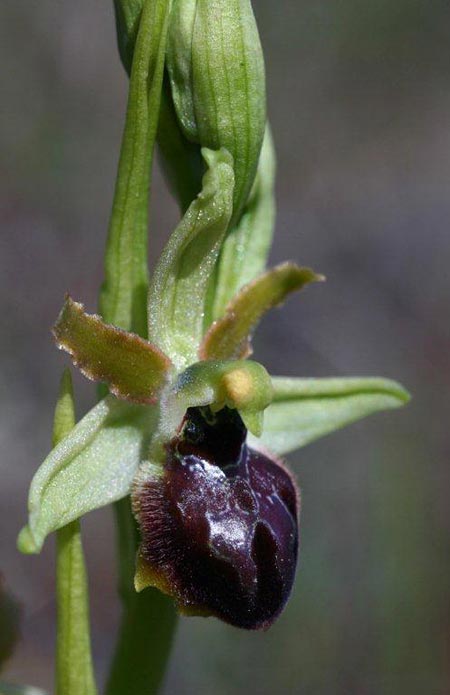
<point x="74" y="672"/>
<point x="148" y="620"/>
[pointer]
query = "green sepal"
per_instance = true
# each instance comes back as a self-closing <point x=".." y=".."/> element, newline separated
<point x="229" y="337"/>
<point x="92" y="467"/>
<point x="241" y="384"/>
<point x="178" y="289"/>
<point x="218" y="86"/>
<point x="303" y="410"/>
<point x="244" y="252"/>
<point x="133" y="368"/>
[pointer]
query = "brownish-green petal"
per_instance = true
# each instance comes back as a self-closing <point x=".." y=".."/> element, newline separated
<point x="133" y="368"/>
<point x="243" y="255"/>
<point x="229" y="337"/>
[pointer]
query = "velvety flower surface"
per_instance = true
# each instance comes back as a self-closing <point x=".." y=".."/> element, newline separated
<point x="219" y="524"/>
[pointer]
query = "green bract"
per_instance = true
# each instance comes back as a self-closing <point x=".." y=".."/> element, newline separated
<point x="178" y="290"/>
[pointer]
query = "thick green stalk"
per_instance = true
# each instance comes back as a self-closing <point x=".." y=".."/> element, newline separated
<point x="74" y="672"/>
<point x="148" y="621"/>
<point x="149" y="618"/>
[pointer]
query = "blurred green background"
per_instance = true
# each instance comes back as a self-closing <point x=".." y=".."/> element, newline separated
<point x="359" y="98"/>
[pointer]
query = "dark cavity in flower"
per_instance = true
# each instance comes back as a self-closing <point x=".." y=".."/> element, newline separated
<point x="220" y="525"/>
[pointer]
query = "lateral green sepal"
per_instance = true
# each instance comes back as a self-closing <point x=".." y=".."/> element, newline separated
<point x="92" y="467"/>
<point x="303" y="410"/>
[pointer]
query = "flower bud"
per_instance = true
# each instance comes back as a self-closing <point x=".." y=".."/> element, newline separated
<point x="216" y="70"/>
<point x="219" y="523"/>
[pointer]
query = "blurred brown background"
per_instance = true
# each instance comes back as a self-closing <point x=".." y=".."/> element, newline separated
<point x="359" y="98"/>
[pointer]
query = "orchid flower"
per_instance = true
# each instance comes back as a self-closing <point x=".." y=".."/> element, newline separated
<point x="192" y="434"/>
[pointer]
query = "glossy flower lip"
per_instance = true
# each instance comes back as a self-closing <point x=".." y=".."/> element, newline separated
<point x="219" y="524"/>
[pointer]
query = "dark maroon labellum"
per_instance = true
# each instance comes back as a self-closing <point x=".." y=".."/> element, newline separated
<point x="220" y="526"/>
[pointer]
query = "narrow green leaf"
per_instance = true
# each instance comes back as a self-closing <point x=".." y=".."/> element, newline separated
<point x="305" y="409"/>
<point x="229" y="337"/>
<point x="244" y="253"/>
<point x="124" y="292"/>
<point x="64" y="417"/>
<point x="181" y="159"/>
<point x="74" y="671"/>
<point x="92" y="467"/>
<point x="178" y="289"/>
<point x="216" y="70"/>
<point x="133" y="368"/>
